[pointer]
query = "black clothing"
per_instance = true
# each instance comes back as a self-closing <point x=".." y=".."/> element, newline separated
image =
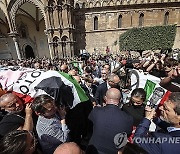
<point x="158" y="73"/>
<point x="100" y="93"/>
<point x="107" y="122"/>
<point x="137" y="112"/>
<point x="10" y="122"/>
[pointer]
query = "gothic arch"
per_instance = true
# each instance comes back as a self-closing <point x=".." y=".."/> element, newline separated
<point x="64" y="41"/>
<point x="83" y="5"/>
<point x="111" y="3"/>
<point x="55" y="39"/>
<point x="104" y="3"/>
<point x="59" y="2"/>
<point x="118" y="3"/>
<point x="28" y="51"/>
<point x="90" y="5"/>
<point x="120" y="21"/>
<point x="166" y="17"/>
<point x="55" y="45"/>
<point x="77" y="6"/>
<point x="3" y="8"/>
<point x="98" y="4"/>
<point x="51" y="3"/>
<point x="64" y="38"/>
<point x="122" y="2"/>
<point x="141" y="19"/>
<point x="14" y="6"/>
<point x="131" y="2"/>
<point x="95" y="23"/>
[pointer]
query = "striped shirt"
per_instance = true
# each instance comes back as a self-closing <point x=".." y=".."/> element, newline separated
<point x="51" y="133"/>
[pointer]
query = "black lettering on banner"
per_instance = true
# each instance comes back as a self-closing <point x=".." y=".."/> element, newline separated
<point x="30" y="82"/>
<point x="136" y="84"/>
<point x="35" y="74"/>
<point x="24" y="89"/>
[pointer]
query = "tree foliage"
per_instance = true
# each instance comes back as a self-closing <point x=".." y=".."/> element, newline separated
<point x="148" y="38"/>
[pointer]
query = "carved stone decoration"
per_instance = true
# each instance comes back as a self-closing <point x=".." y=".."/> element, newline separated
<point x="22" y="30"/>
<point x="2" y="35"/>
<point x="13" y="8"/>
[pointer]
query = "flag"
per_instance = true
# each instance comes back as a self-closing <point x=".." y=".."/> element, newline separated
<point x="80" y="93"/>
<point x="33" y="83"/>
<point x="154" y="92"/>
<point x="77" y="65"/>
<point x="149" y="88"/>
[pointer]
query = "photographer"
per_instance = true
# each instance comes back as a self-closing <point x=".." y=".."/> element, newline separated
<point x="172" y="81"/>
<point x="156" y="67"/>
<point x="168" y="141"/>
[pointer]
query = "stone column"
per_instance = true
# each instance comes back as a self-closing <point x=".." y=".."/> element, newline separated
<point x="68" y="49"/>
<point x="60" y="16"/>
<point x="60" y="53"/>
<point x="15" y="40"/>
<point x="72" y="48"/>
<point x="47" y="16"/>
<point x="17" y="48"/>
<point x="50" y="45"/>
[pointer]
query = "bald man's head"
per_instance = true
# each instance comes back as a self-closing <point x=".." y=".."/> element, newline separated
<point x="113" y="80"/>
<point x="11" y="103"/>
<point x="64" y="68"/>
<point x="68" y="148"/>
<point x="77" y="78"/>
<point x="113" y="96"/>
<point x="72" y="72"/>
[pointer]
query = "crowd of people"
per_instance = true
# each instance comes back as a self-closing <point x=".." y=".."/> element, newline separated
<point x="108" y="123"/>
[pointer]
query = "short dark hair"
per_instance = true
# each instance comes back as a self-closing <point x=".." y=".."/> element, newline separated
<point x="174" y="97"/>
<point x="40" y="101"/>
<point x="14" y="142"/>
<point x="139" y="92"/>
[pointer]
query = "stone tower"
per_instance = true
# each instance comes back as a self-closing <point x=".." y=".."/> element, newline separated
<point x="60" y="28"/>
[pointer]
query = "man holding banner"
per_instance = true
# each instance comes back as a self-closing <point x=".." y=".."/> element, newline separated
<point x="156" y="142"/>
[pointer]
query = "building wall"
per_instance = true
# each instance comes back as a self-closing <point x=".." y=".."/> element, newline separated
<point x="85" y="37"/>
<point x="36" y="39"/>
<point x="108" y="31"/>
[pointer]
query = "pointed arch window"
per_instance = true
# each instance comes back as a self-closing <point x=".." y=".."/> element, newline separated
<point x="55" y="45"/>
<point x="166" y="18"/>
<point x="51" y="5"/>
<point x="141" y="19"/>
<point x="64" y="40"/>
<point x="22" y="30"/>
<point x="95" y="23"/>
<point x="120" y="21"/>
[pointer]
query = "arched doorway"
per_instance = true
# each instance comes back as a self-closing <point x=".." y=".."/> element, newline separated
<point x="29" y="52"/>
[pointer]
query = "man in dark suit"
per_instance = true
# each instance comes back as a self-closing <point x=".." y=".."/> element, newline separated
<point x="112" y="82"/>
<point x="107" y="122"/>
<point x="169" y="141"/>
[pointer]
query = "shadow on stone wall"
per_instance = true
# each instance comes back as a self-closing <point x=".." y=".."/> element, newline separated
<point x="80" y="35"/>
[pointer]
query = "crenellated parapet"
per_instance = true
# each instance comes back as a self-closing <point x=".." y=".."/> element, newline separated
<point x="109" y="3"/>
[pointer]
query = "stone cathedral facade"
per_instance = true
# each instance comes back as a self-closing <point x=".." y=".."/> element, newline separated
<point x="64" y="28"/>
